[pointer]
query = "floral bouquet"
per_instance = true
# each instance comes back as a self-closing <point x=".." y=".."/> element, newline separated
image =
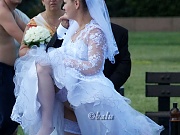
<point x="36" y="36"/>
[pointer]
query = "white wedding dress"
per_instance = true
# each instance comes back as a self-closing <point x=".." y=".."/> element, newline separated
<point x="78" y="66"/>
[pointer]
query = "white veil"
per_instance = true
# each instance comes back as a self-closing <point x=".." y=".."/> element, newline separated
<point x="99" y="12"/>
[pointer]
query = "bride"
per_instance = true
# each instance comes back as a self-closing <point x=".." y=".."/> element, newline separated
<point x="77" y="70"/>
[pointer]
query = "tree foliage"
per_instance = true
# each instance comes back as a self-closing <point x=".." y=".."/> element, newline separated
<point x="31" y="7"/>
<point x="120" y="8"/>
<point x="145" y="8"/>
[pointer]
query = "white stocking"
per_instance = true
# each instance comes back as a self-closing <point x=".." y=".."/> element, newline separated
<point x="46" y="97"/>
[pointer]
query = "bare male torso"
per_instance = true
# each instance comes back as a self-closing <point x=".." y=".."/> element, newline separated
<point x="7" y="48"/>
<point x="11" y="27"/>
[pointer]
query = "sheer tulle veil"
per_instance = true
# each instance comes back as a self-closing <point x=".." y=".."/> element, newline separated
<point x="99" y="12"/>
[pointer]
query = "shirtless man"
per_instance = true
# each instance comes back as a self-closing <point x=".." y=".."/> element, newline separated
<point x="11" y="27"/>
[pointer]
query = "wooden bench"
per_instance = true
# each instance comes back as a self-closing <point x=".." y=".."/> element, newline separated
<point x="163" y="85"/>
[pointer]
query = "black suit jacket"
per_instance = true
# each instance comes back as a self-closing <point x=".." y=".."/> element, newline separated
<point x="119" y="72"/>
<point x="54" y="42"/>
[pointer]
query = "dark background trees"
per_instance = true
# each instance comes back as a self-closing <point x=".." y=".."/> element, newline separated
<point x="143" y="8"/>
<point x="120" y="8"/>
<point x="31" y="7"/>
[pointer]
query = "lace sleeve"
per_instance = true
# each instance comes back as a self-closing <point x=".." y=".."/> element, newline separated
<point x="95" y="41"/>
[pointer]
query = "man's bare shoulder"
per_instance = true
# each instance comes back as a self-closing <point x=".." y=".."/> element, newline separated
<point x="2" y="7"/>
<point x="2" y="14"/>
<point x="4" y="11"/>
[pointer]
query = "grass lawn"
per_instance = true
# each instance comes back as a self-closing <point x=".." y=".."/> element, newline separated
<point x="150" y="51"/>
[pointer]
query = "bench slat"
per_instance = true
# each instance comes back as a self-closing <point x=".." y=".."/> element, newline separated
<point x="158" y="114"/>
<point x="163" y="77"/>
<point x="162" y="90"/>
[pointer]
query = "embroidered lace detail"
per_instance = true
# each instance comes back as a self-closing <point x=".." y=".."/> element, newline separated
<point x="87" y="53"/>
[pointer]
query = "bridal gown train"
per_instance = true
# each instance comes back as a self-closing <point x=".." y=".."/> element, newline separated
<point x="78" y="66"/>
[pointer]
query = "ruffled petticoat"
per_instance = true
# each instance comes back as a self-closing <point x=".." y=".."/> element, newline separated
<point x="99" y="109"/>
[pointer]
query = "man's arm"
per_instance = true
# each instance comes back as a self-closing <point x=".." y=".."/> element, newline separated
<point x="23" y="48"/>
<point x="22" y="16"/>
<point x="123" y="70"/>
<point x="21" y="19"/>
<point x="119" y="72"/>
<point x="20" y="23"/>
<point x="9" y="24"/>
<point x="54" y="42"/>
<point x="57" y="38"/>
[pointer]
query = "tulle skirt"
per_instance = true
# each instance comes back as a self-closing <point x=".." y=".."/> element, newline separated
<point x="99" y="109"/>
<point x="26" y="110"/>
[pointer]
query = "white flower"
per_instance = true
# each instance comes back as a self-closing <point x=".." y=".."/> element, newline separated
<point x="36" y="36"/>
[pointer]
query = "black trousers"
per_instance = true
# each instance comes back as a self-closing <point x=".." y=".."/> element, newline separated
<point x="7" y="99"/>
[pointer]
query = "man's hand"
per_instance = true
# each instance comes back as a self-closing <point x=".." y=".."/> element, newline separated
<point x="64" y="21"/>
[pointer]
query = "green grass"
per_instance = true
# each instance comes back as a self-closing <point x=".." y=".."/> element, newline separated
<point x="150" y="51"/>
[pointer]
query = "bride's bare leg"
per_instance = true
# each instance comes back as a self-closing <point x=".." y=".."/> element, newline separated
<point x="46" y="95"/>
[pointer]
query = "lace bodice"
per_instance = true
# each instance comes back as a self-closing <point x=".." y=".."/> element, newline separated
<point x="86" y="53"/>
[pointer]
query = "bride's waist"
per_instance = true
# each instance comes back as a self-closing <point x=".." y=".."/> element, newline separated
<point x="79" y="76"/>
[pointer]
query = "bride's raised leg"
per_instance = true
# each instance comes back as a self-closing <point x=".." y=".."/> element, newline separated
<point x="46" y="97"/>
